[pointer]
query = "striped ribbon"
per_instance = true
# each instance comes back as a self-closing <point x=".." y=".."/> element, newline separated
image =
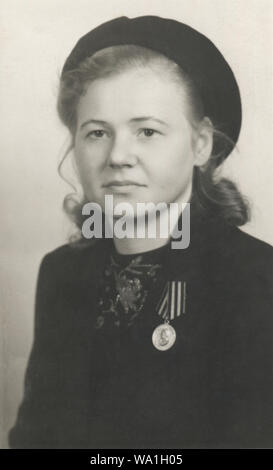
<point x="173" y="300"/>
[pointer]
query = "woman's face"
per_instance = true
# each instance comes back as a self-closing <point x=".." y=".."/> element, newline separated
<point x="133" y="139"/>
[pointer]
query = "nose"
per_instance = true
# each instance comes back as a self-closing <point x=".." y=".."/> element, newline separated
<point x="120" y="153"/>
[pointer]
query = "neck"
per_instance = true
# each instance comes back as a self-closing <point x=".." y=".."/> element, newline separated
<point x="140" y="245"/>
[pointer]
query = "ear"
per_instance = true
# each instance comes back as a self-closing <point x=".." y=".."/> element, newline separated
<point x="203" y="142"/>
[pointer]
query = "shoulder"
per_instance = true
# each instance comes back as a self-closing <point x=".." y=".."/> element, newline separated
<point x="69" y="253"/>
<point x="239" y="270"/>
<point x="70" y="263"/>
<point x="66" y="278"/>
<point x="249" y="243"/>
<point x="68" y="256"/>
<point x="253" y="255"/>
<point x="242" y="254"/>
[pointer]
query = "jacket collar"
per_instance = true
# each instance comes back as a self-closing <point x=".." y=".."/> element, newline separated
<point x="208" y="235"/>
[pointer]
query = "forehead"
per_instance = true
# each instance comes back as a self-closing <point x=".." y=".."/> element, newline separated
<point x="133" y="92"/>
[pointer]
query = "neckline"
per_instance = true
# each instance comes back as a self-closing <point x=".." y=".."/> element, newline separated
<point x="207" y="233"/>
<point x="150" y="256"/>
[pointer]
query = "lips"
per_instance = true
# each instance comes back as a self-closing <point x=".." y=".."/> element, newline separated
<point x="121" y="183"/>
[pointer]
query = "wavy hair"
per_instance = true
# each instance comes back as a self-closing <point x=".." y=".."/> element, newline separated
<point x="210" y="191"/>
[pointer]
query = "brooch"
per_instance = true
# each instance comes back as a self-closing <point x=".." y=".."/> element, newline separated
<point x="125" y="290"/>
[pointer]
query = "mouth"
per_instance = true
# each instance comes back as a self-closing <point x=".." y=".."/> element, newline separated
<point x="123" y="184"/>
<point x="123" y="187"/>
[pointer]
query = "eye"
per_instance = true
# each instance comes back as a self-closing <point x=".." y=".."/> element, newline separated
<point x="148" y="132"/>
<point x="96" y="134"/>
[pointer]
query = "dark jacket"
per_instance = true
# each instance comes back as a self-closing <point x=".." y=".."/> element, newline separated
<point x="88" y="388"/>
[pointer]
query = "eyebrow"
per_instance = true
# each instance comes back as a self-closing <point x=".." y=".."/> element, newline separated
<point x="94" y="121"/>
<point x="136" y="119"/>
<point x="148" y="118"/>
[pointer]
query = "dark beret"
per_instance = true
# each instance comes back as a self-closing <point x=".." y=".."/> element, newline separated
<point x="191" y="50"/>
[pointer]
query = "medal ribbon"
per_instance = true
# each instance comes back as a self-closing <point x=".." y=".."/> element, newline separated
<point x="173" y="300"/>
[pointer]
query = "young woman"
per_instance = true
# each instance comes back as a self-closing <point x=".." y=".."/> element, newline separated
<point x="138" y="344"/>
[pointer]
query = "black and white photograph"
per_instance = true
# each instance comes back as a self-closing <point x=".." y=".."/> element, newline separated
<point x="136" y="238"/>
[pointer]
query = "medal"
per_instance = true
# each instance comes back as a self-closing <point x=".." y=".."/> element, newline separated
<point x="164" y="337"/>
<point x="172" y="303"/>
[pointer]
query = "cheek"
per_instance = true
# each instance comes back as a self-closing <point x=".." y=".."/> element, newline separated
<point x="87" y="162"/>
<point x="83" y="163"/>
<point x="174" y="164"/>
<point x="87" y="173"/>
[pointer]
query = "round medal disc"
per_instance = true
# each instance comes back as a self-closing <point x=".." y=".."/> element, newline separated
<point x="164" y="337"/>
